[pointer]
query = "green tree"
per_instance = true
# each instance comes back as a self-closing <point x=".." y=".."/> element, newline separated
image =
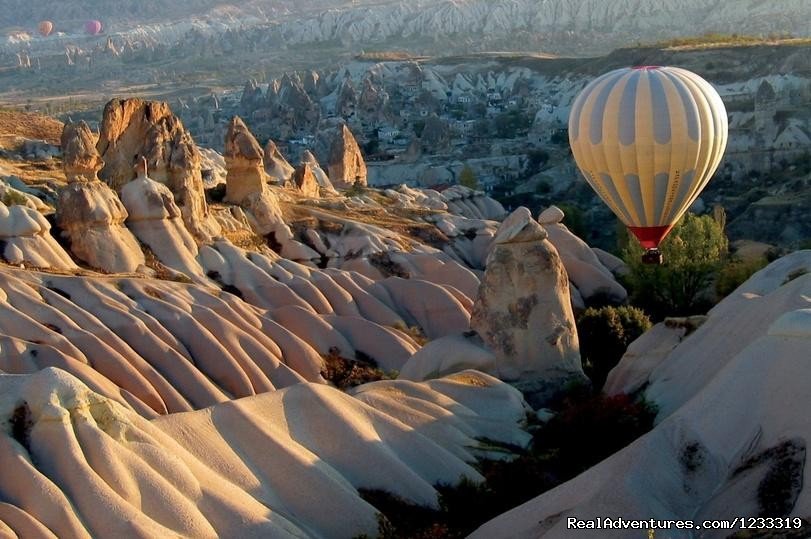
<point x="604" y="336"/>
<point x="512" y="124"/>
<point x="468" y="178"/>
<point x="575" y="220"/>
<point x="693" y="252"/>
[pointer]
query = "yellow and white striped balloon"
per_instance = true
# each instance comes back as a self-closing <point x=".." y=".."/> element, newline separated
<point x="648" y="139"/>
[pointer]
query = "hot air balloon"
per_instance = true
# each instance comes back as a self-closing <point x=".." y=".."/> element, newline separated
<point x="46" y="27"/>
<point x="93" y="27"/>
<point x="648" y="139"/>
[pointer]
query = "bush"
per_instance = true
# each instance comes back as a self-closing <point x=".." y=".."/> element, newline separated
<point x="735" y="273"/>
<point x="468" y="178"/>
<point x="585" y="430"/>
<point x="693" y="253"/>
<point x="11" y="198"/>
<point x="588" y="430"/>
<point x="575" y="220"/>
<point x="543" y="188"/>
<point x="355" y="190"/>
<point x="346" y="373"/>
<point x="605" y="335"/>
<point x="536" y="159"/>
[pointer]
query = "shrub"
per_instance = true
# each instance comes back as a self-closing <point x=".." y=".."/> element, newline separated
<point x="543" y="188"/>
<point x="575" y="220"/>
<point x="10" y="198"/>
<point x="736" y="272"/>
<point x="693" y="254"/>
<point x="586" y="430"/>
<point x="537" y="159"/>
<point x="346" y="373"/>
<point x="468" y="178"/>
<point x="605" y="334"/>
<point x="355" y="190"/>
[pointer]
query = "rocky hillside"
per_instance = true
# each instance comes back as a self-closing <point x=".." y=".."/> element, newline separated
<point x="261" y="467"/>
<point x="168" y="314"/>
<point x="247" y="344"/>
<point x="559" y="25"/>
<point x="503" y="117"/>
<point x="131" y="13"/>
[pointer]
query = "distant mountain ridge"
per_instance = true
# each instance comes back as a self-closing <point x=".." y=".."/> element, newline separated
<point x="570" y="26"/>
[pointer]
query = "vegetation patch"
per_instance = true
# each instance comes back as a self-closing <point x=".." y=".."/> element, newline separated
<point x="796" y="274"/>
<point x="414" y="332"/>
<point x="714" y="39"/>
<point x="389" y="268"/>
<point x="735" y="273"/>
<point x="605" y="334"/>
<point x="783" y="480"/>
<point x="585" y="429"/>
<point x="694" y="252"/>
<point x="11" y="198"/>
<point x="346" y="373"/>
<point x="21" y="425"/>
<point x="355" y="190"/>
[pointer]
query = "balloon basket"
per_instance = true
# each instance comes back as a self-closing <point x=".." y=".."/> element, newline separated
<point x="653" y="257"/>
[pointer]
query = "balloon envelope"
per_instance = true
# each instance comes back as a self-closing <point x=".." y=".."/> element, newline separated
<point x="46" y="27"/>
<point x="92" y="27"/>
<point x="648" y="139"/>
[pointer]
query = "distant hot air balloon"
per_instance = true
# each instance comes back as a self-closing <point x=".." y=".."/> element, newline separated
<point x="648" y="139"/>
<point x="46" y="27"/>
<point x="93" y="27"/>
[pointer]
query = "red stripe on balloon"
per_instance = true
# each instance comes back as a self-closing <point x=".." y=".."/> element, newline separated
<point x="650" y="236"/>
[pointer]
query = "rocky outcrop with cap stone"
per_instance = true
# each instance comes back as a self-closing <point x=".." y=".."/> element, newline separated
<point x="89" y="213"/>
<point x="523" y="311"/>
<point x="133" y="128"/>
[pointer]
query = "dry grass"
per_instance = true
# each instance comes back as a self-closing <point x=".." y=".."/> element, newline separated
<point x="28" y="125"/>
<point x="34" y="172"/>
<point x="14" y="128"/>
<point x="714" y="41"/>
<point x="402" y="222"/>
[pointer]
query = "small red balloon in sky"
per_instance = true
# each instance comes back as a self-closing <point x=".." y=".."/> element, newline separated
<point x="46" y="27"/>
<point x="92" y="27"/>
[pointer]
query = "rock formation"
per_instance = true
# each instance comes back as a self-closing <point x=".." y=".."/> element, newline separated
<point x="92" y="217"/>
<point x="448" y="355"/>
<point x="13" y="191"/>
<point x="304" y="180"/>
<point x="80" y="159"/>
<point x="157" y="222"/>
<point x="246" y="185"/>
<point x="276" y="166"/>
<point x="347" y="99"/>
<point x="134" y="128"/>
<point x="346" y="164"/>
<point x="291" y="106"/>
<point x="89" y="213"/>
<point x="212" y="166"/>
<point x="252" y="97"/>
<point x="373" y="99"/>
<point x="523" y="311"/>
<point x="320" y="176"/>
<point x="583" y="266"/>
<point x="673" y="376"/>
<point x="472" y="204"/>
<point x="244" y="162"/>
<point x="25" y="239"/>
<point x="267" y="465"/>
